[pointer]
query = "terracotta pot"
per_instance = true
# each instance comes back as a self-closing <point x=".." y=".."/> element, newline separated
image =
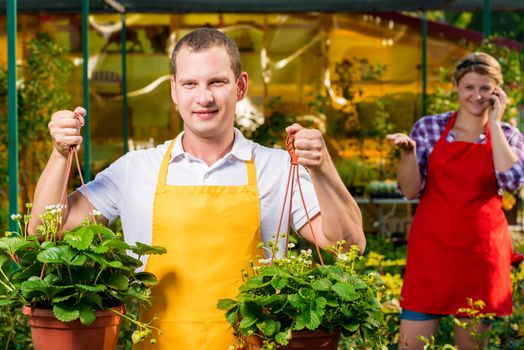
<point x="317" y="340"/>
<point x="48" y="333"/>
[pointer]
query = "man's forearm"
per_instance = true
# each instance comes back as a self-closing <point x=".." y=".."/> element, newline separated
<point x="341" y="216"/>
<point x="49" y="188"/>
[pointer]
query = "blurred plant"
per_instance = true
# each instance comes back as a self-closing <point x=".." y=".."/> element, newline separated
<point x="355" y="173"/>
<point x="383" y="189"/>
<point x="340" y="104"/>
<point x="14" y="329"/>
<point x="511" y="64"/>
<point x="442" y="100"/>
<point x="41" y="91"/>
<point x="508" y="200"/>
<point x="271" y="131"/>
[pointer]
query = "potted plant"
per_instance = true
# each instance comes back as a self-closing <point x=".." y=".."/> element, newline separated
<point x="383" y="189"/>
<point x="78" y="284"/>
<point x="293" y="303"/>
<point x="355" y="172"/>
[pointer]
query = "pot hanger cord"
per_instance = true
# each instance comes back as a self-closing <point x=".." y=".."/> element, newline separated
<point x="293" y="172"/>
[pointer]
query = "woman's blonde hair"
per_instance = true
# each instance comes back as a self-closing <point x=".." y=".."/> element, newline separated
<point x="480" y="63"/>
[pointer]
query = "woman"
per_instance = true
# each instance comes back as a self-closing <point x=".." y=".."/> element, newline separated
<point x="459" y="244"/>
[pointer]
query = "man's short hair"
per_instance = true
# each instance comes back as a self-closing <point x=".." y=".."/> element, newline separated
<point x="203" y="39"/>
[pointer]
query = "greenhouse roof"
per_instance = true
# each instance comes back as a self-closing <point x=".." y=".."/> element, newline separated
<point x="261" y="6"/>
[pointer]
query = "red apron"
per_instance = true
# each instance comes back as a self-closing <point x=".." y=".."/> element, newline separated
<point x="459" y="244"/>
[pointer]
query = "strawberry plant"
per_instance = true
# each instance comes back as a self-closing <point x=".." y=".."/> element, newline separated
<point x="87" y="270"/>
<point x="289" y="294"/>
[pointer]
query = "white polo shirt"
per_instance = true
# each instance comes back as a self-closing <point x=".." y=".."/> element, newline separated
<point x="126" y="188"/>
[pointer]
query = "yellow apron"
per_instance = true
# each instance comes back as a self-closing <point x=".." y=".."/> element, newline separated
<point x="211" y="234"/>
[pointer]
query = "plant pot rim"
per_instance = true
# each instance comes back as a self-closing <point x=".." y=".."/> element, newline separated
<point x="305" y="333"/>
<point x="45" y="312"/>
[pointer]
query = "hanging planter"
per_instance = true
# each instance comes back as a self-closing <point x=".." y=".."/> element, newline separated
<point x="69" y="281"/>
<point x="317" y="340"/>
<point x="48" y="333"/>
<point x="290" y="302"/>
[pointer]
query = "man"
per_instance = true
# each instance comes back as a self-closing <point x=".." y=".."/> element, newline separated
<point x="207" y="196"/>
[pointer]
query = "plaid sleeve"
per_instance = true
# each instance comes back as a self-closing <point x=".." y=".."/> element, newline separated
<point x="419" y="133"/>
<point x="513" y="178"/>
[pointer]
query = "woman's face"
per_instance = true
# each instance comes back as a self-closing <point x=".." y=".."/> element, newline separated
<point x="474" y="91"/>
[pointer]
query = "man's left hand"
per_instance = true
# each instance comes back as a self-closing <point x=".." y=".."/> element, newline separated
<point x="309" y="146"/>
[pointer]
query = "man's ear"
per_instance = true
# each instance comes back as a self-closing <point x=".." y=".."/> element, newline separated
<point x="173" y="89"/>
<point x="242" y="85"/>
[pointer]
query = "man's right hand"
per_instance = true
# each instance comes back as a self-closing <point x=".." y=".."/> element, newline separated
<point x="64" y="128"/>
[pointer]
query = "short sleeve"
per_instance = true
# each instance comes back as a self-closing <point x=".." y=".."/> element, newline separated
<point x="106" y="191"/>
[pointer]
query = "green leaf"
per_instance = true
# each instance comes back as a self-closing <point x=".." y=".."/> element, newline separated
<point x="11" y="245"/>
<point x="250" y="312"/>
<point x="115" y="264"/>
<point x="103" y="231"/>
<point x="351" y="325"/>
<point x="5" y="302"/>
<point x="321" y="304"/>
<point x="115" y="243"/>
<point x="279" y="283"/>
<point x="91" y="298"/>
<point x="3" y="260"/>
<point x="65" y="313"/>
<point x="49" y="256"/>
<point x="297" y="301"/>
<point x="144" y="249"/>
<point x="35" y="287"/>
<point x="345" y="291"/>
<point x="231" y="315"/>
<point x="252" y="283"/>
<point x="311" y="316"/>
<point x="247" y="322"/>
<point x="24" y="273"/>
<point x="147" y="278"/>
<point x="226" y="304"/>
<point x="322" y="284"/>
<point x="80" y="238"/>
<point x="282" y="338"/>
<point x="268" y="327"/>
<point x="99" y="249"/>
<point x="98" y="258"/>
<point x="64" y="295"/>
<point x="60" y="255"/>
<point x="118" y="282"/>
<point x="87" y="316"/>
<point x="95" y="288"/>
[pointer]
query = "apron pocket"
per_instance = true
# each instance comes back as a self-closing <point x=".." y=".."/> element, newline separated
<point x="472" y="233"/>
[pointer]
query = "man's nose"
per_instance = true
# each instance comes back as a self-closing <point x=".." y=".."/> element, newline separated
<point x="205" y="96"/>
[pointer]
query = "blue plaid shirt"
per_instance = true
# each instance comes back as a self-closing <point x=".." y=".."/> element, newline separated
<point x="427" y="130"/>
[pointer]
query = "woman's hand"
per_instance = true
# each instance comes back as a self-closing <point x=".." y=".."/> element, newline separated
<point x="403" y="141"/>
<point x="498" y="100"/>
<point x="64" y="128"/>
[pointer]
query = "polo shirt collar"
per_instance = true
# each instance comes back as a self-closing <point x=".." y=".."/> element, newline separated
<point x="241" y="147"/>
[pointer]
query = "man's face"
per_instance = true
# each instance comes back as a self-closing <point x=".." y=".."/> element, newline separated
<point x="206" y="92"/>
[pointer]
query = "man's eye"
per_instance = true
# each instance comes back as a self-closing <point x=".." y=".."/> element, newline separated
<point x="188" y="85"/>
<point x="217" y="83"/>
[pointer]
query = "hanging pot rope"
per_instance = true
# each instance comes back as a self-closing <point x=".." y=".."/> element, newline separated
<point x="293" y="172"/>
<point x="63" y="198"/>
